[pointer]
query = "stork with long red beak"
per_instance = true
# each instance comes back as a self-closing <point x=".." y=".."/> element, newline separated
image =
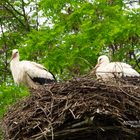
<point x="106" y="69"/>
<point x="29" y="73"/>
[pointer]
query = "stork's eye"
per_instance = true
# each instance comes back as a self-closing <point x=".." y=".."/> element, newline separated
<point x="16" y="52"/>
<point x="100" y="59"/>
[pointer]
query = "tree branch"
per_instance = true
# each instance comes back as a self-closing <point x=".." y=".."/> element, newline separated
<point x="14" y="8"/>
<point x="14" y="15"/>
<point x="25" y="16"/>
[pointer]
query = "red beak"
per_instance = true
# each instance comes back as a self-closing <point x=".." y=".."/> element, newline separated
<point x="13" y="56"/>
<point x="97" y="65"/>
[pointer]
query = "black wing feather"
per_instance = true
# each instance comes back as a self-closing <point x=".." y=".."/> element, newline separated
<point x="41" y="80"/>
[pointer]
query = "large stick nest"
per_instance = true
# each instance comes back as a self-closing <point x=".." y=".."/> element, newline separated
<point x="81" y="108"/>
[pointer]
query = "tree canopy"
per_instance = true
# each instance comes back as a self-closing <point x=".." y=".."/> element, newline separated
<point x="67" y="36"/>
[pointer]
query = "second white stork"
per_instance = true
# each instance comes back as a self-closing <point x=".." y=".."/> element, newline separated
<point x="106" y="69"/>
<point x="29" y="73"/>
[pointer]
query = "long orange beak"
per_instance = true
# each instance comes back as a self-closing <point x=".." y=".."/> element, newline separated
<point x="97" y="65"/>
<point x="13" y="56"/>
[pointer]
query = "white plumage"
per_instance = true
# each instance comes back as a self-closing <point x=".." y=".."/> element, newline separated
<point x="106" y="70"/>
<point x="29" y="73"/>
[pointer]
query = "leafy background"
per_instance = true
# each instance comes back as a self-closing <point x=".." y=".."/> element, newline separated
<point x="66" y="36"/>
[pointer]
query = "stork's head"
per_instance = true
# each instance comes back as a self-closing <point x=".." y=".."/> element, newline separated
<point x="102" y="60"/>
<point x="15" y="54"/>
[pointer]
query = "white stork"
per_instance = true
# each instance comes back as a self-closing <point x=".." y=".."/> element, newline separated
<point x="106" y="69"/>
<point x="29" y="73"/>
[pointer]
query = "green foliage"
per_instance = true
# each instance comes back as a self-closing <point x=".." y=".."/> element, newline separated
<point x="9" y="94"/>
<point x="80" y="31"/>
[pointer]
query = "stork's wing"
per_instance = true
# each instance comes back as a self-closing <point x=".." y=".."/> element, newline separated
<point x="37" y="72"/>
<point x="120" y="65"/>
<point x="124" y="65"/>
<point x="38" y="65"/>
<point x="123" y="68"/>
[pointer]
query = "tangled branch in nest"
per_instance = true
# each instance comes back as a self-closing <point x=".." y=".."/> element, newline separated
<point x="81" y="108"/>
